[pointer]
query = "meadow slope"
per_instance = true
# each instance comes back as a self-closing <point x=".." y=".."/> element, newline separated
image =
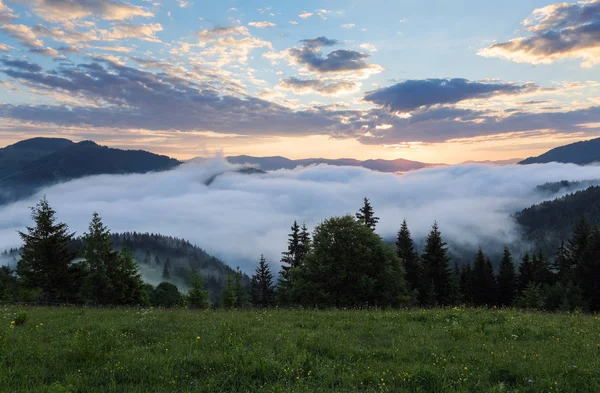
<point x="440" y="350"/>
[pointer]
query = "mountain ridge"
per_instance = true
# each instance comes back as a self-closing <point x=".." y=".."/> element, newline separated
<point x="580" y="153"/>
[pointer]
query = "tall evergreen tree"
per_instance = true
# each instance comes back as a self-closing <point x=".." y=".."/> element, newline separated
<point x="128" y="281"/>
<point x="366" y="215"/>
<point x="483" y="280"/>
<point x="197" y="297"/>
<point x="436" y="273"/>
<point x="526" y="273"/>
<point x="577" y="245"/>
<point x="263" y="290"/>
<point x="588" y="271"/>
<point x="507" y="284"/>
<point x="298" y="246"/>
<point x="46" y="262"/>
<point x="466" y="283"/>
<point x="101" y="261"/>
<point x="405" y="249"/>
<point x="234" y="294"/>
<point x="541" y="269"/>
<point x="563" y="265"/>
<point x="166" y="272"/>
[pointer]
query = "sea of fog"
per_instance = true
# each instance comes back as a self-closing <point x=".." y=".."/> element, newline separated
<point x="239" y="216"/>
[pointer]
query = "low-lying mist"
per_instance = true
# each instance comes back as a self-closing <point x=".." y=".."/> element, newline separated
<point x="239" y="216"/>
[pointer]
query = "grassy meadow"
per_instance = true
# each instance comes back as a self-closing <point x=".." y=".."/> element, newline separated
<point x="440" y="350"/>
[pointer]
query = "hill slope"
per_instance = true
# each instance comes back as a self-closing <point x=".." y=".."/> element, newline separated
<point x="581" y="153"/>
<point x="34" y="163"/>
<point x="548" y="223"/>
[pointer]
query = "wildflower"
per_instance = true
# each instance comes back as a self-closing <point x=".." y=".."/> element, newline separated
<point x="466" y="368"/>
<point x="12" y="324"/>
<point x="197" y="337"/>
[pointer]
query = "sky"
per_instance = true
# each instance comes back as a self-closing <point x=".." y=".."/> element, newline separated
<point x="433" y="81"/>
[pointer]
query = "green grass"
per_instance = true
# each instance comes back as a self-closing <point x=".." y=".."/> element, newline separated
<point x="442" y="350"/>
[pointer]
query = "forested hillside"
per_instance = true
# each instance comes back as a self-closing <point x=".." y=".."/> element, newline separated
<point x="581" y="153"/>
<point x="550" y="222"/>
<point x="30" y="164"/>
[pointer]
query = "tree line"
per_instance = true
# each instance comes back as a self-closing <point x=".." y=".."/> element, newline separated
<point x="342" y="263"/>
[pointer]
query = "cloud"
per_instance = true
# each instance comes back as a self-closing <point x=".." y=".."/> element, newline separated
<point x="412" y="94"/>
<point x="5" y="48"/>
<point x="21" y="64"/>
<point x="293" y="22"/>
<point x="124" y="30"/>
<point x="221" y="31"/>
<point x="6" y="13"/>
<point x="317" y="86"/>
<point x="305" y="15"/>
<point x="472" y="203"/>
<point x="183" y="3"/>
<point x="67" y="10"/>
<point x="349" y="26"/>
<point x="130" y="98"/>
<point x="23" y="34"/>
<point x="319" y="42"/>
<point x="340" y="61"/>
<point x="262" y="25"/>
<point x="368" y="47"/>
<point x="558" y="31"/>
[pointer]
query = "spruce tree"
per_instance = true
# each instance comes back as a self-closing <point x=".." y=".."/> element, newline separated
<point x="577" y="245"/>
<point x="483" y="280"/>
<point x="263" y="291"/>
<point x="197" y="297"/>
<point x="507" y="284"/>
<point x="101" y="261"/>
<point x="541" y="270"/>
<point x="366" y="215"/>
<point x="526" y="273"/>
<point x="298" y="245"/>
<point x="405" y="249"/>
<point x="588" y="271"/>
<point x="436" y="273"/>
<point x="46" y="262"/>
<point x="563" y="265"/>
<point x="166" y="272"/>
<point x="234" y="294"/>
<point x="466" y="283"/>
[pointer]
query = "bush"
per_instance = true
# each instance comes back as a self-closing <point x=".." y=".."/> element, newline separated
<point x="21" y="318"/>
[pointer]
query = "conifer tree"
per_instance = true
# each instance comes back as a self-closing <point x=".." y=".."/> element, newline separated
<point x="197" y="297"/>
<point x="405" y="249"/>
<point x="101" y="261"/>
<point x="507" y="285"/>
<point x="526" y="273"/>
<point x="577" y="245"/>
<point x="563" y="265"/>
<point x="483" y="280"/>
<point x="588" y="271"/>
<point x="147" y="258"/>
<point x="166" y="272"/>
<point x="436" y="273"/>
<point x="128" y="281"/>
<point x="46" y="262"/>
<point x="466" y="283"/>
<point x="366" y="215"/>
<point x="541" y="269"/>
<point x="298" y="247"/>
<point x="234" y="294"/>
<point x="263" y="291"/>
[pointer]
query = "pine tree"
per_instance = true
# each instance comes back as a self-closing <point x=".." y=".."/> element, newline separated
<point x="234" y="294"/>
<point x="366" y="215"/>
<point x="577" y="245"/>
<point x="541" y="270"/>
<point x="483" y="280"/>
<point x="298" y="247"/>
<point x="166" y="272"/>
<point x="197" y="297"/>
<point x="526" y="273"/>
<point x="466" y="283"/>
<point x="436" y="273"/>
<point x="100" y="261"/>
<point x="507" y="284"/>
<point x="263" y="291"/>
<point x="46" y="262"/>
<point x="405" y="249"/>
<point x="588" y="271"/>
<point x="563" y="265"/>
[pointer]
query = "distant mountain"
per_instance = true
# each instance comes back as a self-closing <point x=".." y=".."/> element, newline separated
<point x="581" y="153"/>
<point x="510" y="161"/>
<point x="277" y="162"/>
<point x="34" y="163"/>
